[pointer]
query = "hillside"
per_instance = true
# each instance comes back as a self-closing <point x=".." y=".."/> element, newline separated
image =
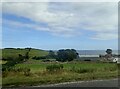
<point x="14" y="53"/>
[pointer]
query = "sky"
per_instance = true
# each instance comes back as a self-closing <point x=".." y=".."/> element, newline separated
<point x="58" y="25"/>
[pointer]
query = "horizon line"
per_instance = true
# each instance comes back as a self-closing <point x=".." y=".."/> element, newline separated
<point x="54" y="49"/>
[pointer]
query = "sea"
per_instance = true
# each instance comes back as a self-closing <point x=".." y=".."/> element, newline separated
<point x="95" y="52"/>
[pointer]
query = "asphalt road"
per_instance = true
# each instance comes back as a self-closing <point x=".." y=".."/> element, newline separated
<point x="93" y="83"/>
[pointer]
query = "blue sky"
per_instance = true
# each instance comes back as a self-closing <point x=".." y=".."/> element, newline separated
<point x="60" y="25"/>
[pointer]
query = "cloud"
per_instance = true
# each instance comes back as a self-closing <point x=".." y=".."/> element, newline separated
<point x="17" y="24"/>
<point x="56" y="31"/>
<point x="69" y="19"/>
<point x="107" y="36"/>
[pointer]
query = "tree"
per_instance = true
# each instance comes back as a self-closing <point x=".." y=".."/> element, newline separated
<point x="66" y="55"/>
<point x="51" y="54"/>
<point x="61" y="55"/>
<point x="109" y="53"/>
<point x="26" y="57"/>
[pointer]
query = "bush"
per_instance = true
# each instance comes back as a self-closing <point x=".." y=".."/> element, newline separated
<point x="47" y="60"/>
<point x="4" y="73"/>
<point x="51" y="55"/>
<point x="110" y="68"/>
<point x="54" y="67"/>
<point x="8" y="65"/>
<point x="39" y="58"/>
<point x="25" y="71"/>
<point x="82" y="70"/>
<point x="12" y="62"/>
<point x="66" y="55"/>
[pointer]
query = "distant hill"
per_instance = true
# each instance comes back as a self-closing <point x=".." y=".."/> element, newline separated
<point x="14" y="52"/>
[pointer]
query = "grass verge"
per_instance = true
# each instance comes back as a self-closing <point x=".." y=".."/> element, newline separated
<point x="73" y="71"/>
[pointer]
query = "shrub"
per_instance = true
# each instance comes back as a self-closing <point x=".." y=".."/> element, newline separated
<point x="26" y="72"/>
<point x="4" y="73"/>
<point x="8" y="65"/>
<point x="66" y="55"/>
<point x="82" y="70"/>
<point x="51" y="55"/>
<point x="54" y="67"/>
<point x="39" y="58"/>
<point x="85" y="70"/>
<point x="47" y="60"/>
<point x="110" y="68"/>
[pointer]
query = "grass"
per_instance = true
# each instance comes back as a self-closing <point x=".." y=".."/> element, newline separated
<point x="13" y="53"/>
<point x="2" y="62"/>
<point x="72" y="71"/>
<point x="54" y="78"/>
<point x="38" y="66"/>
<point x="36" y="52"/>
<point x="33" y="67"/>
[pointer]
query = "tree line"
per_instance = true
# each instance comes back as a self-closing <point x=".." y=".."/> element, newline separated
<point x="61" y="55"/>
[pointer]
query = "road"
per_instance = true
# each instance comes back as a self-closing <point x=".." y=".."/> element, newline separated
<point x="93" y="83"/>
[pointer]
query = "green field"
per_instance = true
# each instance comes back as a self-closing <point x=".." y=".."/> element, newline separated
<point x="72" y="71"/>
<point x="14" y="53"/>
<point x="38" y="73"/>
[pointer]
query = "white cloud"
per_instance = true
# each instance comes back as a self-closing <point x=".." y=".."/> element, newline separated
<point x="107" y="36"/>
<point x="69" y="19"/>
<point x="57" y="31"/>
<point x="59" y="0"/>
<point x="17" y="24"/>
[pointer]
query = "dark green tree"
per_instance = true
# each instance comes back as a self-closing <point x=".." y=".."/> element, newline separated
<point x="51" y="54"/>
<point x="26" y="57"/>
<point x="109" y="51"/>
<point x="66" y="55"/>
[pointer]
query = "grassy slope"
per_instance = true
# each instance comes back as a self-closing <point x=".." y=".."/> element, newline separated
<point x="6" y="53"/>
